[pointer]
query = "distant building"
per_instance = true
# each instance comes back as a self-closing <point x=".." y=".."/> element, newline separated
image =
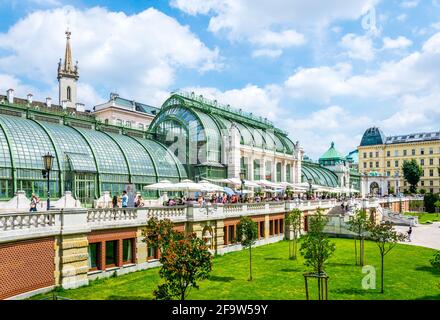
<point x="125" y="113"/>
<point x="380" y="155"/>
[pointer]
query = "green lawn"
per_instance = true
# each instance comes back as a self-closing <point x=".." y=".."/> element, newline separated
<point x="424" y="217"/>
<point x="408" y="275"/>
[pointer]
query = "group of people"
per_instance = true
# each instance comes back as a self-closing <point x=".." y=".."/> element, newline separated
<point x="123" y="201"/>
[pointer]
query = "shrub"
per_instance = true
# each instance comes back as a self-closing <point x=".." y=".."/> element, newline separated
<point x="430" y="199"/>
<point x="435" y="261"/>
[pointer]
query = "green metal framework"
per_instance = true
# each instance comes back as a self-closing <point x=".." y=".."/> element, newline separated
<point x="87" y="153"/>
<point x="319" y="175"/>
<point x="204" y="124"/>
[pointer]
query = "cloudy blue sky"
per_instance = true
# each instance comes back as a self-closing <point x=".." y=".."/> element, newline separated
<point x="322" y="70"/>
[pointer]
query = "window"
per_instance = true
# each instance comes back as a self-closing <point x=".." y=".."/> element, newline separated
<point x="377" y="154"/>
<point x="377" y="164"/>
<point x="119" y="122"/>
<point x="396" y="163"/>
<point x="422" y="183"/>
<point x="388" y="164"/>
<point x="276" y="231"/>
<point x="128" y="124"/>
<point x="396" y="153"/>
<point x="261" y="229"/>
<point x="365" y="154"/>
<point x="388" y="153"/>
<point x="127" y="251"/>
<point x="281" y="226"/>
<point x="431" y="151"/>
<point x="371" y="154"/>
<point x="431" y="190"/>
<point x="371" y="164"/>
<point x="365" y="165"/>
<point x="271" y="231"/>
<point x="413" y="152"/>
<point x="110" y="253"/>
<point x="431" y="162"/>
<point x="388" y="173"/>
<point x="69" y="94"/>
<point x="93" y="256"/>
<point x="231" y="234"/>
<point x="422" y="162"/>
<point x="422" y="151"/>
<point x="431" y="183"/>
<point x="141" y="126"/>
<point x="404" y="153"/>
<point x="153" y="252"/>
<point x="431" y="172"/>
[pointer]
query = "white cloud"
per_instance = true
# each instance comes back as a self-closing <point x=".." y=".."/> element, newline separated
<point x="402" y="17"/>
<point x="283" y="39"/>
<point x="320" y="83"/>
<point x="259" y="101"/>
<point x="136" y="55"/>
<point x="252" y="19"/>
<point x="358" y="47"/>
<point x="398" y="43"/>
<point x="271" y="53"/>
<point x="409" y="4"/>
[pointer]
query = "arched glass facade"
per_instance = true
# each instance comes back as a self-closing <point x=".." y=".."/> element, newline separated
<point x="319" y="175"/>
<point x="203" y="125"/>
<point x="88" y="159"/>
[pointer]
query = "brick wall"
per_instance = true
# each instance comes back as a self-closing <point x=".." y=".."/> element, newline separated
<point x="26" y="266"/>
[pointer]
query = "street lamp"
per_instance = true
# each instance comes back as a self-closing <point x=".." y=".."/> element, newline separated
<point x="48" y="162"/>
<point x="242" y="174"/>
<point x="310" y="187"/>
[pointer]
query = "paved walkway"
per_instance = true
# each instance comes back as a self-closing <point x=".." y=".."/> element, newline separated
<point x="424" y="235"/>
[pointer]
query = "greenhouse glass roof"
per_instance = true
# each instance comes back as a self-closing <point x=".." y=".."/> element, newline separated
<point x="319" y="175"/>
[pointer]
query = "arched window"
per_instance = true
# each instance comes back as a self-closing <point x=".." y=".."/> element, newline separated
<point x="68" y="94"/>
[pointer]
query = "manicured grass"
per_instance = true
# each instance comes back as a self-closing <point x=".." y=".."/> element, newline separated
<point x="424" y="217"/>
<point x="408" y="275"/>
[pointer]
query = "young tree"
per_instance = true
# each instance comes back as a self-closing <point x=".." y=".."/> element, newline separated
<point x="315" y="245"/>
<point x="247" y="234"/>
<point x="412" y="172"/>
<point x="159" y="233"/>
<point x="184" y="263"/>
<point x="293" y="221"/>
<point x="359" y="224"/>
<point x="386" y="239"/>
<point x="184" y="259"/>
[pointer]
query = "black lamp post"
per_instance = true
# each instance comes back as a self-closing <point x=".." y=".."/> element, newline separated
<point x="47" y="162"/>
<point x="310" y="188"/>
<point x="242" y="184"/>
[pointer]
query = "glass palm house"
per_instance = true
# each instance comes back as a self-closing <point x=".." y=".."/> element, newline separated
<point x="185" y="140"/>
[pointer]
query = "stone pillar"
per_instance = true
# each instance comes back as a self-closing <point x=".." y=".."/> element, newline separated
<point x="73" y="260"/>
<point x="141" y="247"/>
<point x="283" y="171"/>
<point x="266" y="226"/>
<point x="251" y="167"/>
<point x="219" y="234"/>
<point x="234" y="153"/>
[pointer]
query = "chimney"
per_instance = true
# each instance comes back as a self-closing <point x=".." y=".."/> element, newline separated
<point x="48" y="102"/>
<point x="30" y="98"/>
<point x="80" y="107"/>
<point x="64" y="104"/>
<point x="10" y="95"/>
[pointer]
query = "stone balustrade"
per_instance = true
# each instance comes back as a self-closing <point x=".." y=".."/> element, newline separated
<point x="26" y="221"/>
<point x="27" y="224"/>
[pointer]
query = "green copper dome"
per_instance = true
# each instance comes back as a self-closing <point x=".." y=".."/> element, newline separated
<point x="332" y="154"/>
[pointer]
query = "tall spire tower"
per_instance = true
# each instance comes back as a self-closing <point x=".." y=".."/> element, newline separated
<point x="67" y="77"/>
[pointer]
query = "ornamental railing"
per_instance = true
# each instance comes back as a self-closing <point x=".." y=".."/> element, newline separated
<point x="105" y="215"/>
<point x="26" y="221"/>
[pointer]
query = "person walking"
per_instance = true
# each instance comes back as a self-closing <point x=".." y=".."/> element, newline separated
<point x="115" y="201"/>
<point x="409" y="233"/>
<point x="124" y="199"/>
<point x="34" y="201"/>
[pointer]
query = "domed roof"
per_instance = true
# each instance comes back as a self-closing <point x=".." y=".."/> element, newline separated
<point x="373" y="136"/>
<point x="332" y="154"/>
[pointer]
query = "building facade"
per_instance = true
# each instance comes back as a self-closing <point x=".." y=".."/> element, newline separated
<point x="384" y="156"/>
